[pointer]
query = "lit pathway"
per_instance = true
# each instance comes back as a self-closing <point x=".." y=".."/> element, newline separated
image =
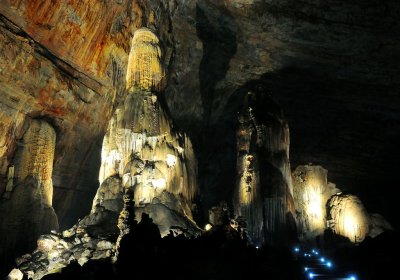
<point x="318" y="267"/>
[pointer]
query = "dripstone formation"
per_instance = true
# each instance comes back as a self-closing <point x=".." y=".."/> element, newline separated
<point x="141" y="154"/>
<point x="263" y="193"/>
<point x="26" y="209"/>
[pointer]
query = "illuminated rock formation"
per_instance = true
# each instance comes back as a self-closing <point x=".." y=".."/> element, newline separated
<point x="311" y="191"/>
<point x="26" y="209"/>
<point x="321" y="205"/>
<point x="348" y="217"/>
<point x="142" y="149"/>
<point x="145" y="70"/>
<point x="36" y="158"/>
<point x="141" y="155"/>
<point x="263" y="195"/>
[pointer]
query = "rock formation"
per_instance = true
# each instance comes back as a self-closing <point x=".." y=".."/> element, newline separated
<point x="141" y="155"/>
<point x="142" y="149"/>
<point x="311" y="192"/>
<point x="263" y="193"/>
<point x="378" y="225"/>
<point x="26" y="209"/>
<point x="320" y="205"/>
<point x="348" y="217"/>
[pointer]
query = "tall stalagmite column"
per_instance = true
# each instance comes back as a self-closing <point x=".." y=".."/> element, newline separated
<point x="141" y="149"/>
<point x="26" y="209"/>
<point x="263" y="195"/>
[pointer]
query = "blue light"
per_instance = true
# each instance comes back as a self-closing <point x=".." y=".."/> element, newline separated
<point x="316" y="253"/>
<point x="305" y="254"/>
<point x="306" y="268"/>
<point x="322" y="260"/>
<point x="329" y="264"/>
<point x="297" y="249"/>
<point x="311" y="275"/>
<point x="352" y="277"/>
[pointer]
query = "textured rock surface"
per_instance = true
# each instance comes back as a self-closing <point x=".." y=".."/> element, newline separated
<point x="26" y="209"/>
<point x="143" y="160"/>
<point x="347" y="217"/>
<point x="263" y="193"/>
<point x="66" y="61"/>
<point x="311" y="192"/>
<point x="142" y="148"/>
<point x="378" y="225"/>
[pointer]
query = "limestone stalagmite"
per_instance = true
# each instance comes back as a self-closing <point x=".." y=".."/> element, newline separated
<point x="263" y="191"/>
<point x="311" y="191"/>
<point x="36" y="158"/>
<point x="348" y="217"/>
<point x="26" y="209"/>
<point x="141" y="147"/>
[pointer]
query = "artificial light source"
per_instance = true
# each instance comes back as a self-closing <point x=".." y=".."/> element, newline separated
<point x="208" y="227"/>
<point x="329" y="264"/>
<point x="311" y="275"/>
<point x="297" y="249"/>
<point x="352" y="277"/>
<point x="322" y="260"/>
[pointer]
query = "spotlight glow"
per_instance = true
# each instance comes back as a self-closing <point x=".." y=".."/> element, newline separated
<point x="322" y="260"/>
<point x="311" y="275"/>
<point x="329" y="264"/>
<point x="296" y="249"/>
<point x="352" y="277"/>
<point x="306" y="268"/>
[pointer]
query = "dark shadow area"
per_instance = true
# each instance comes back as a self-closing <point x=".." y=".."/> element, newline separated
<point x="349" y="128"/>
<point x="373" y="259"/>
<point x="218" y="254"/>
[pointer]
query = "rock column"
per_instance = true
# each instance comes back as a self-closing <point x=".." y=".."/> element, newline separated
<point x="263" y="195"/>
<point x="26" y="209"/>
